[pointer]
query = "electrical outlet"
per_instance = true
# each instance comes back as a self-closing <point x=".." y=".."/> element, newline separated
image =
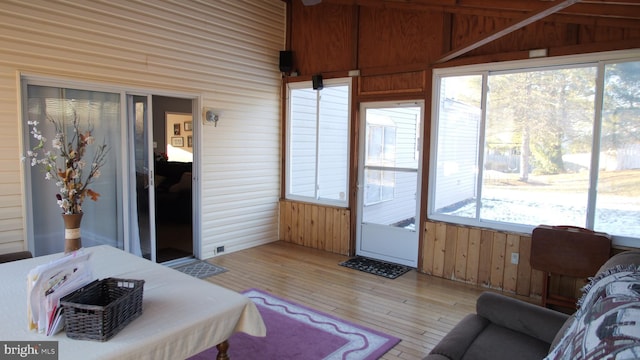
<point x="515" y="258"/>
<point x="219" y="249"/>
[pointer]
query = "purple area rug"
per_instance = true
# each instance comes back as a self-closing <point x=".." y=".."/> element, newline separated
<point x="296" y="332"/>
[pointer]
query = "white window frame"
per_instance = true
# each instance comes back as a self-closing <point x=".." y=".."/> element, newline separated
<point x="317" y="199"/>
<point x="598" y="59"/>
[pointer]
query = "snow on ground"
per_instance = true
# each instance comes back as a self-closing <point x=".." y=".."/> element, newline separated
<point x="613" y="216"/>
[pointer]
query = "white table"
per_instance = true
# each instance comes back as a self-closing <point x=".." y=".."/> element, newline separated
<point x="182" y="315"/>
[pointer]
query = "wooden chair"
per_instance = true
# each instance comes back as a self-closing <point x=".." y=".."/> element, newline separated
<point x="19" y="255"/>
<point x="568" y="251"/>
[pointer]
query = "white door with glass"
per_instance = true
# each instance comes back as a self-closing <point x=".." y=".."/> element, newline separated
<point x="388" y="182"/>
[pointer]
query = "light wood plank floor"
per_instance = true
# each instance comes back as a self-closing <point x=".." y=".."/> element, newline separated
<point x="417" y="308"/>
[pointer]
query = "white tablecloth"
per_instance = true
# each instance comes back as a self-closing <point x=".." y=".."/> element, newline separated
<point x="182" y="315"/>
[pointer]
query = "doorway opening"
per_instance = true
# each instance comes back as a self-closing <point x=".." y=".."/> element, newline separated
<point x="173" y="123"/>
<point x="164" y="153"/>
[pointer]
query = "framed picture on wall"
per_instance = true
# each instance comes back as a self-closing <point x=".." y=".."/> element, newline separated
<point x="176" y="129"/>
<point x="188" y="126"/>
<point x="177" y="141"/>
<point x="189" y="141"/>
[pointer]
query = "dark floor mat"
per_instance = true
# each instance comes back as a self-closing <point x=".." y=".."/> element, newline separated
<point x="376" y="267"/>
<point x="200" y="269"/>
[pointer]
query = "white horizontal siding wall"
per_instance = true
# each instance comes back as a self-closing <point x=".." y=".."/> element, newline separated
<point x="226" y="51"/>
<point x="457" y="153"/>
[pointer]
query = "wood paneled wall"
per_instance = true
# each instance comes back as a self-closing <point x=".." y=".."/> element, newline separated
<point x="316" y="226"/>
<point x="337" y="36"/>
<point x="480" y="257"/>
<point x="395" y="45"/>
<point x="471" y="255"/>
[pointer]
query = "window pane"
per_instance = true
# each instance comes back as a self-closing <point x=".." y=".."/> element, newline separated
<point x="318" y="144"/>
<point x="618" y="201"/>
<point x="333" y="143"/>
<point x="101" y="221"/>
<point x="538" y="147"/>
<point x="457" y="145"/>
<point x="373" y="186"/>
<point x="388" y="185"/>
<point x="389" y="145"/>
<point x="302" y="142"/>
<point x="395" y="192"/>
<point x="374" y="145"/>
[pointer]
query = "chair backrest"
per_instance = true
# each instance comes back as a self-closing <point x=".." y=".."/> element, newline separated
<point x="569" y="250"/>
<point x="19" y="255"/>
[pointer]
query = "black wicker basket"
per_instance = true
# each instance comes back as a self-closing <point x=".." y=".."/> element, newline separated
<point x="102" y="308"/>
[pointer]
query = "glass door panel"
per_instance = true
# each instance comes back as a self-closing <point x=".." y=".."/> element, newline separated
<point x="388" y="190"/>
<point x="142" y="233"/>
<point x="100" y="111"/>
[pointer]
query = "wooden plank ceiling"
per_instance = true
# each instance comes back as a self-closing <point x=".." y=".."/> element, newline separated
<point x="521" y="12"/>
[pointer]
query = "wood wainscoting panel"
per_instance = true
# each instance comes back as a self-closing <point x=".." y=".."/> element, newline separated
<point x="475" y="256"/>
<point x="484" y="267"/>
<point x="462" y="248"/>
<point x="497" y="260"/>
<point x="523" y="285"/>
<point x="473" y="259"/>
<point x="482" y="257"/>
<point x="316" y="226"/>
<point x="510" y="278"/>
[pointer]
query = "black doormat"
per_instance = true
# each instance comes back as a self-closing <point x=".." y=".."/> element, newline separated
<point x="200" y="269"/>
<point x="375" y="267"/>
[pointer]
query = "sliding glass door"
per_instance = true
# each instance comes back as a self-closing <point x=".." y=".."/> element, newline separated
<point x="101" y="111"/>
<point x="138" y="210"/>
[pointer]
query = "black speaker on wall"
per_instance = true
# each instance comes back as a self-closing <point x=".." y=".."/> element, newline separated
<point x="316" y="80"/>
<point x="286" y="61"/>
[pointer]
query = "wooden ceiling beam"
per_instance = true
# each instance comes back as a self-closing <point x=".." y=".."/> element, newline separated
<point x="585" y="8"/>
<point x="560" y="17"/>
<point x="624" y="11"/>
<point x="529" y="19"/>
<point x="507" y="8"/>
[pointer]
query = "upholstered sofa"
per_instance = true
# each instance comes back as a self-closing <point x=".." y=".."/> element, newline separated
<point x="607" y="322"/>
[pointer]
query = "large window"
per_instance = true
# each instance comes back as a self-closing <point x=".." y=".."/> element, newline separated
<point x="517" y="147"/>
<point x="318" y="142"/>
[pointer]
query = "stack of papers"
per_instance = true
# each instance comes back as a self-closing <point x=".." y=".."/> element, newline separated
<point x="48" y="283"/>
